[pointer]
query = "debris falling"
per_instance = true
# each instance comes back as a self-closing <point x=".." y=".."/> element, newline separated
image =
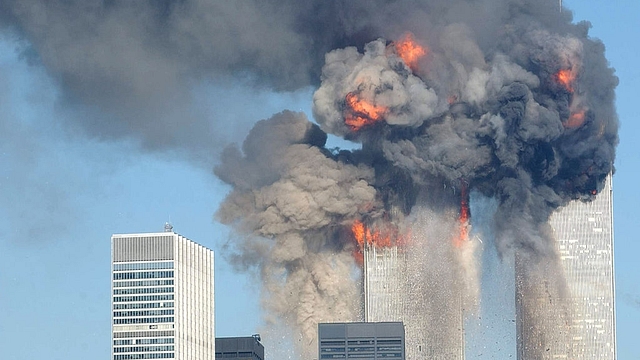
<point x="524" y="116"/>
<point x="507" y="97"/>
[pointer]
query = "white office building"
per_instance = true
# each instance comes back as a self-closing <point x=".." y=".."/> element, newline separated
<point x="162" y="297"/>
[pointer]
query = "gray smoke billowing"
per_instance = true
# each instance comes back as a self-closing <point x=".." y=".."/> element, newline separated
<point x="289" y="190"/>
<point x="517" y="105"/>
<point x="510" y="99"/>
<point x="129" y="68"/>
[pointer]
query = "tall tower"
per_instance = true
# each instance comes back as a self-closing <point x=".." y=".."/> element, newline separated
<point x="162" y="297"/>
<point x="398" y="289"/>
<point x="584" y="242"/>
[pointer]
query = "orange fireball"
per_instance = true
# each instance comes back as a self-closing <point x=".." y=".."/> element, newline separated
<point x="410" y="51"/>
<point x="360" y="113"/>
<point x="566" y="78"/>
<point x="576" y="119"/>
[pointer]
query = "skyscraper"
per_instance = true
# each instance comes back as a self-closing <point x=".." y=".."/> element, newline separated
<point x="399" y="286"/>
<point x="162" y="297"/>
<point x="584" y="242"/>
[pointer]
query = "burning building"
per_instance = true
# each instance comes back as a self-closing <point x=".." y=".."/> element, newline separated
<point x="508" y="99"/>
<point x="381" y="232"/>
<point x="420" y="288"/>
<point x="584" y="240"/>
<point x="419" y="278"/>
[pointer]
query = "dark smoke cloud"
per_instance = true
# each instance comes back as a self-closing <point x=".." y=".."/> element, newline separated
<point x="128" y="69"/>
<point x="483" y="110"/>
<point x="516" y="104"/>
<point x="289" y="200"/>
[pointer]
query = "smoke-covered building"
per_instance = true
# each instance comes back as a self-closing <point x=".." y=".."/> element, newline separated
<point x="395" y="289"/>
<point x="163" y="297"/>
<point x="518" y="108"/>
<point x="240" y="348"/>
<point x="384" y="278"/>
<point x="364" y="341"/>
<point x="584" y="239"/>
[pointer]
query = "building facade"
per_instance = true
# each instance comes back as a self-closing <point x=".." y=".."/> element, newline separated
<point x="363" y="341"/>
<point x="240" y="348"/>
<point x="162" y="297"/>
<point x="584" y="242"/>
<point x="400" y="286"/>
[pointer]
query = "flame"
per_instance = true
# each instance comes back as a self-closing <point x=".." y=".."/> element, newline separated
<point x="463" y="219"/>
<point x="361" y="113"/>
<point x="359" y="232"/>
<point x="566" y="78"/>
<point x="410" y="51"/>
<point x="377" y="238"/>
<point x="380" y="238"/>
<point x="576" y="119"/>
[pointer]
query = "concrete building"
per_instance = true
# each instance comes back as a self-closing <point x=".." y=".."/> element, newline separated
<point x="240" y="348"/>
<point x="584" y="242"/>
<point x="363" y="341"/>
<point x="162" y="297"/>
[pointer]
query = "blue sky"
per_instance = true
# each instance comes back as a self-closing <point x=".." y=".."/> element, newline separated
<point x="63" y="195"/>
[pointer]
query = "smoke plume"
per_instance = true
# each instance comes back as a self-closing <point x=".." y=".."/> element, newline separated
<point x="130" y="69"/>
<point x="519" y="110"/>
<point x="507" y="98"/>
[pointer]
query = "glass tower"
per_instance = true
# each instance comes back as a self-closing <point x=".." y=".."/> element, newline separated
<point x="584" y="242"/>
<point x="162" y="297"/>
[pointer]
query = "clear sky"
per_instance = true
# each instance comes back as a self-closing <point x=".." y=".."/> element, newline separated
<point x="62" y="195"/>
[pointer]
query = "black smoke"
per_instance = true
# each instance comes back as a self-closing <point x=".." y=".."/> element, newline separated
<point x="483" y="108"/>
<point x="129" y="68"/>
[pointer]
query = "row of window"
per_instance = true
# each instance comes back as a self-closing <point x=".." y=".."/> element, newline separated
<point x="360" y="349"/>
<point x="143" y="291"/>
<point x="144" y="356"/>
<point x="142" y="275"/>
<point x="229" y="355"/>
<point x="361" y="342"/>
<point x="144" y="266"/>
<point x="155" y="320"/>
<point x="389" y="348"/>
<point x="166" y="304"/>
<point x="130" y="334"/>
<point x="332" y="342"/>
<point x="143" y="341"/>
<point x="378" y="341"/>
<point x="143" y="283"/>
<point x="142" y="298"/>
<point x="361" y="356"/>
<point x="142" y="313"/>
<point x="143" y="348"/>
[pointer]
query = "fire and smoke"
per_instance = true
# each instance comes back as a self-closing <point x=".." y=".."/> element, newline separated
<point x="505" y="98"/>
<point x="525" y="117"/>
